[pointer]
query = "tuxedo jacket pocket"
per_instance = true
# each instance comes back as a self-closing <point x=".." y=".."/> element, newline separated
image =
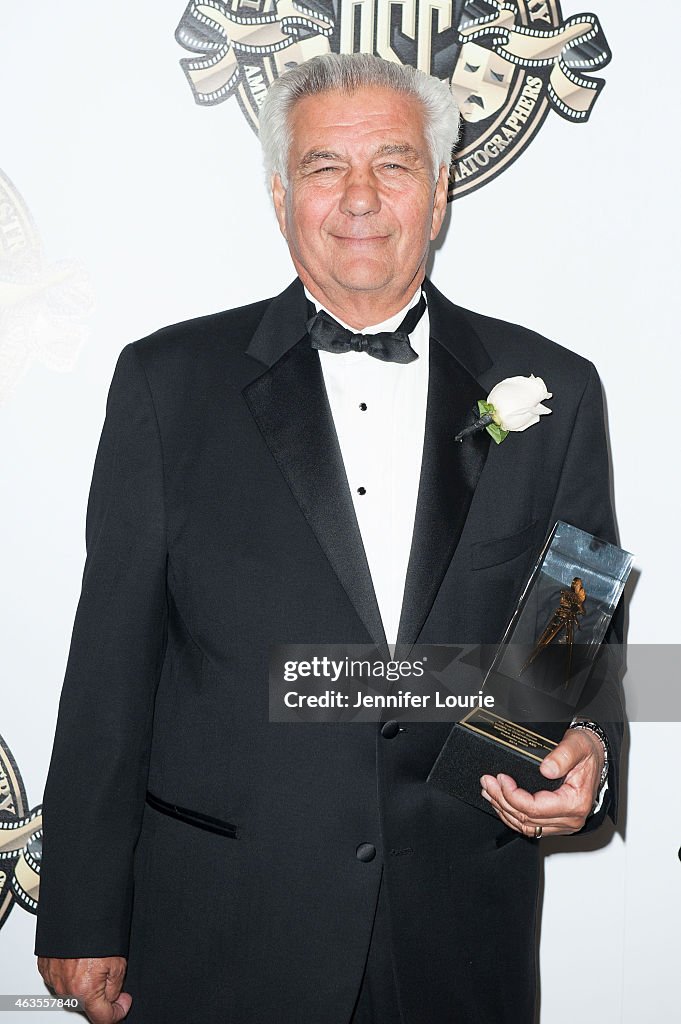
<point x="503" y="549"/>
<point x="191" y="817"/>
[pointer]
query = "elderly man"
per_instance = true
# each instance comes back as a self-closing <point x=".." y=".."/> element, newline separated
<point x="286" y="472"/>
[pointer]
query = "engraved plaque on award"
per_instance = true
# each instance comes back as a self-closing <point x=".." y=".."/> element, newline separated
<point x="541" y="669"/>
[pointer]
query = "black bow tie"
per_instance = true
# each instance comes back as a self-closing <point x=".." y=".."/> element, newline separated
<point x="390" y="346"/>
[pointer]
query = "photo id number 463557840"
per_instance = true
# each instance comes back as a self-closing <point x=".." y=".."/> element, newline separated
<point x="33" y="1002"/>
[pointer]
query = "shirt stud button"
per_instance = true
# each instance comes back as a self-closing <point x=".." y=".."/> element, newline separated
<point x="361" y="490"/>
<point x="363" y="406"/>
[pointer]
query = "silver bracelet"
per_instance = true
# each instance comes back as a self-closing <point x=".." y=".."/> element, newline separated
<point x="594" y="727"/>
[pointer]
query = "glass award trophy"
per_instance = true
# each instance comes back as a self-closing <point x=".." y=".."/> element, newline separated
<point x="541" y="668"/>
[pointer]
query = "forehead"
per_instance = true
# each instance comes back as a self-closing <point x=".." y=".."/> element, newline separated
<point x="368" y="117"/>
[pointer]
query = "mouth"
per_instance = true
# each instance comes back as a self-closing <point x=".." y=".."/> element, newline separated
<point x="360" y="239"/>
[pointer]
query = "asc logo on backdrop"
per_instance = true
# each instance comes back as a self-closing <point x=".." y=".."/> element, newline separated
<point x="508" y="63"/>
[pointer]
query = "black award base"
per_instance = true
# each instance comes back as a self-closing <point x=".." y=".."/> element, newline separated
<point x="484" y="743"/>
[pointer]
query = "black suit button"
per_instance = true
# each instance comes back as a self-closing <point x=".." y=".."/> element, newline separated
<point x="365" y="852"/>
<point x="390" y="730"/>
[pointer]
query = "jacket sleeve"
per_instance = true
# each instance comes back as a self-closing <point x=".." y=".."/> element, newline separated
<point x="584" y="499"/>
<point x="94" y="794"/>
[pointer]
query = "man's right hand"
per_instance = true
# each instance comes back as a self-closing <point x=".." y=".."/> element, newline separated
<point x="95" y="981"/>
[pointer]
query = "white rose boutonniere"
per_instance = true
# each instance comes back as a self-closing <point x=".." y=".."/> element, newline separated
<point x="512" y="405"/>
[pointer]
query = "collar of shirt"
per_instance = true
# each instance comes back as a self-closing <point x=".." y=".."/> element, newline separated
<point x="418" y="339"/>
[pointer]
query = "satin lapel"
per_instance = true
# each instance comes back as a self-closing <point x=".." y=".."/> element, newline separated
<point x="449" y="470"/>
<point x="289" y="403"/>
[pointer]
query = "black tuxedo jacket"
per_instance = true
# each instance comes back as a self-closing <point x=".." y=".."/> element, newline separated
<point x="220" y="522"/>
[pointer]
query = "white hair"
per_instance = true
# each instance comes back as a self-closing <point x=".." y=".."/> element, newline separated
<point x="348" y="72"/>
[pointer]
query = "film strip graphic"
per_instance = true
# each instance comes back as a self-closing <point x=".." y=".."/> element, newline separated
<point x="20" y="850"/>
<point x="229" y="41"/>
<point x="577" y="44"/>
<point x="21" y="834"/>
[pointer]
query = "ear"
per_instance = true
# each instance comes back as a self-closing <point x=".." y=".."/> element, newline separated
<point x="279" y="200"/>
<point x="439" y="201"/>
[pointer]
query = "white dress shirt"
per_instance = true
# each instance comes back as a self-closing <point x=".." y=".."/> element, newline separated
<point x="379" y="412"/>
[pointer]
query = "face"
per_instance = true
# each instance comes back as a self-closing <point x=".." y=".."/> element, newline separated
<point x="362" y="203"/>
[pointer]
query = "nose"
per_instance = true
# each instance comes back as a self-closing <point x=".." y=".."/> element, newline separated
<point x="360" y="195"/>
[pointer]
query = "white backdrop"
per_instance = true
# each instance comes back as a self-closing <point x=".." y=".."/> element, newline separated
<point x="155" y="211"/>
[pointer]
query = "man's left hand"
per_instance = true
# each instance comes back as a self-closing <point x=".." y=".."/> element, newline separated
<point x="579" y="757"/>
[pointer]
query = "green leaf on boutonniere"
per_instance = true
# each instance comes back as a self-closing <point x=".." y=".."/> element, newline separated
<point x="493" y="429"/>
<point x="496" y="432"/>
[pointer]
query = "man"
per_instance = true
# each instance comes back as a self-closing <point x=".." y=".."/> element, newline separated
<point x="257" y="484"/>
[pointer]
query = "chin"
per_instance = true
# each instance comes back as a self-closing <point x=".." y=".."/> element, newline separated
<point x="359" y="284"/>
<point x="363" y="277"/>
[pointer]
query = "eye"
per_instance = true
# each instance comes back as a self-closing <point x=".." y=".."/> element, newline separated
<point x="471" y="67"/>
<point x="496" y="77"/>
